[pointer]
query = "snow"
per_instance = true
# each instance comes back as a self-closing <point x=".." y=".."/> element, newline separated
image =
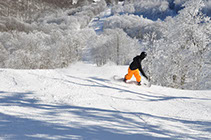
<point x="97" y="23"/>
<point x="83" y="102"/>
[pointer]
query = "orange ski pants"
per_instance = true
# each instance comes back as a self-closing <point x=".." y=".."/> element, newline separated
<point x="135" y="73"/>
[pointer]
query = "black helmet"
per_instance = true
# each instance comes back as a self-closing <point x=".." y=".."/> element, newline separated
<point x="143" y="54"/>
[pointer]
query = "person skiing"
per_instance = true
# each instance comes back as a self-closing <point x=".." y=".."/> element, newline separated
<point x="135" y="67"/>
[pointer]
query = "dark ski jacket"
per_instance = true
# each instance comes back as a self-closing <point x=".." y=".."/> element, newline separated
<point x="136" y="64"/>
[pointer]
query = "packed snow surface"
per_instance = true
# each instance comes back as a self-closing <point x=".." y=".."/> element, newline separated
<point x="83" y="102"/>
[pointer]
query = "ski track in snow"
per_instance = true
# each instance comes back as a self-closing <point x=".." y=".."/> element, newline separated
<point x="83" y="102"/>
<point x="98" y="22"/>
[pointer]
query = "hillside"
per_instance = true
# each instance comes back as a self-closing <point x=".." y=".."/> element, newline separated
<point x="58" y="59"/>
<point x="83" y="102"/>
<point x="176" y="35"/>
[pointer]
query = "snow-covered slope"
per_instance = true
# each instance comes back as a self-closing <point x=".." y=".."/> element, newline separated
<point x="83" y="102"/>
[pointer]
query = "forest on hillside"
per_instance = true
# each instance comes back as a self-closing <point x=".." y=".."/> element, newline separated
<point x="46" y="34"/>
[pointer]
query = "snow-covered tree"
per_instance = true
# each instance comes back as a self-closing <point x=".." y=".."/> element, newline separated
<point x="115" y="46"/>
<point x="181" y="52"/>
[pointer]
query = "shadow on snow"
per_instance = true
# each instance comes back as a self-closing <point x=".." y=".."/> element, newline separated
<point x="18" y="127"/>
<point x="106" y="84"/>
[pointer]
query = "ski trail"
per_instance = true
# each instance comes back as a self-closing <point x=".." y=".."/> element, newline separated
<point x="83" y="102"/>
<point x="98" y="22"/>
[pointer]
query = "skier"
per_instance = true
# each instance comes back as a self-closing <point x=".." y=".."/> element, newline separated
<point x="135" y="67"/>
